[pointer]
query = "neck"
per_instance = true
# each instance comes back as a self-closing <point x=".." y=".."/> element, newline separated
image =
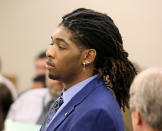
<point x="146" y="127"/>
<point x="83" y="76"/>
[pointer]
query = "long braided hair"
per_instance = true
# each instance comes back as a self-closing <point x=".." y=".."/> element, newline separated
<point x="98" y="31"/>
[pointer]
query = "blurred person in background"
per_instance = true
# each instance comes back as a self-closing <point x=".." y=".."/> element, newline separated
<point x="40" y="71"/>
<point x="39" y="80"/>
<point x="146" y="100"/>
<point x="32" y="106"/>
<point x="39" y="63"/>
<point x="6" y="99"/>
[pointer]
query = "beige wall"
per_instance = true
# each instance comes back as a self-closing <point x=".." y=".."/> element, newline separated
<point x="26" y="27"/>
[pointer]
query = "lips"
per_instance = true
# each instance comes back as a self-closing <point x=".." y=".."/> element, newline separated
<point x="49" y="65"/>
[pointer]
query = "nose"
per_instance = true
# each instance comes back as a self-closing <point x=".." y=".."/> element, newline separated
<point x="50" y="52"/>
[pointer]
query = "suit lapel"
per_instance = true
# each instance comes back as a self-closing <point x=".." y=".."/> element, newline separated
<point x="74" y="102"/>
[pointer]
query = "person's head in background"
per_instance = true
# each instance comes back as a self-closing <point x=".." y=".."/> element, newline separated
<point x="6" y="100"/>
<point x="40" y="62"/>
<point x="39" y="81"/>
<point x="86" y="43"/>
<point x="146" y="100"/>
<point x="40" y="71"/>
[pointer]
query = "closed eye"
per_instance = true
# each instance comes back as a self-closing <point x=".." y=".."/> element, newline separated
<point x="61" y="48"/>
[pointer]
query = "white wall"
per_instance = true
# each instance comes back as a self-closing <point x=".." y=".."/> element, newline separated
<point x="26" y="27"/>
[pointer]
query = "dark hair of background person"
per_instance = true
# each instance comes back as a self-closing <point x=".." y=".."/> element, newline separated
<point x="6" y="100"/>
<point x="41" y="55"/>
<point x="40" y="78"/>
<point x="91" y="29"/>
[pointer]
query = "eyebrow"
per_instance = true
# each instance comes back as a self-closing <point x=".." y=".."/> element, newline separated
<point x="59" y="39"/>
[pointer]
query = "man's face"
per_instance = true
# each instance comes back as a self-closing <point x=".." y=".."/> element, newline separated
<point x="64" y="57"/>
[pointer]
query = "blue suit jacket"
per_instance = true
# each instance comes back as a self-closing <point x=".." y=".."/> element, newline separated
<point x="94" y="108"/>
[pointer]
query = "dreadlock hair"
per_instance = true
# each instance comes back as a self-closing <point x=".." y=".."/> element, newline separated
<point x="98" y="31"/>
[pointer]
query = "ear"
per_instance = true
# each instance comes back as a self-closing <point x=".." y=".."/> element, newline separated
<point x="89" y="56"/>
<point x="136" y="119"/>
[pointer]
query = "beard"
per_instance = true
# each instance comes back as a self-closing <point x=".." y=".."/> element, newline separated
<point x="52" y="77"/>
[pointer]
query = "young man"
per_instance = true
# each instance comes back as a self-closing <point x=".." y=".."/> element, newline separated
<point x="146" y="100"/>
<point x="87" y="55"/>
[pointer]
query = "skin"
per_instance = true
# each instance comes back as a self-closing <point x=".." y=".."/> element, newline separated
<point x="37" y="85"/>
<point x="40" y="66"/>
<point x="65" y="59"/>
<point x="55" y="87"/>
<point x="138" y="123"/>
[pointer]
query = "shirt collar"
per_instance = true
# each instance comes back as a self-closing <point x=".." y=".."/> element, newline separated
<point x="72" y="91"/>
